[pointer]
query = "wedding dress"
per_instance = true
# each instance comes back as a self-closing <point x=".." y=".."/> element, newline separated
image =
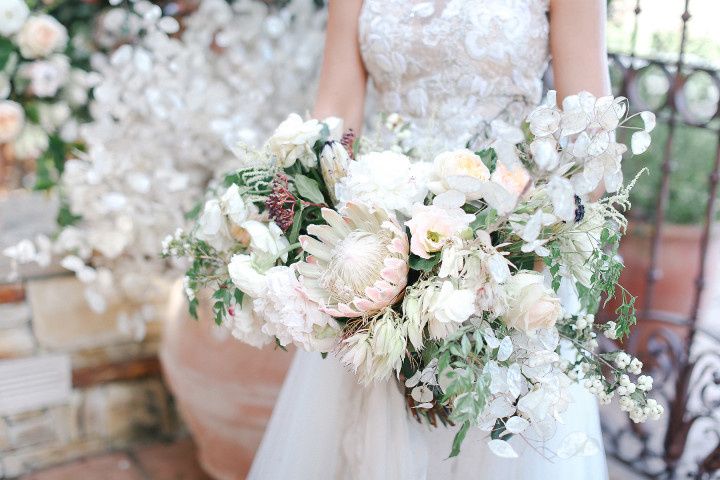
<point x="450" y="67"/>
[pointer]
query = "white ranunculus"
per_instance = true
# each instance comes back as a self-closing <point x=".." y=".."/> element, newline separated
<point x="31" y="143"/>
<point x="531" y="305"/>
<point x="267" y="241"/>
<point x="40" y="36"/>
<point x="246" y="276"/>
<point x="13" y="14"/>
<point x="212" y="226"/>
<point x="12" y="119"/>
<point x="449" y="308"/>
<point x="388" y="180"/>
<point x="289" y="316"/>
<point x="457" y="163"/>
<point x="233" y="205"/>
<point x="293" y="140"/>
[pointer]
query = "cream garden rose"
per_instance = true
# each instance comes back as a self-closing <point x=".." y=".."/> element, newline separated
<point x="531" y="305"/>
<point x="12" y="119"/>
<point x="463" y="163"/>
<point x="293" y="141"/>
<point x="40" y="36"/>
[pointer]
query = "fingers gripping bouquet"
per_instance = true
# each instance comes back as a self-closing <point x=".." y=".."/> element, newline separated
<point x="428" y="270"/>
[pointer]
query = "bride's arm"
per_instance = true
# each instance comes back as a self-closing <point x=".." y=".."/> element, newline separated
<point x="343" y="78"/>
<point x="578" y="49"/>
<point x="577" y="45"/>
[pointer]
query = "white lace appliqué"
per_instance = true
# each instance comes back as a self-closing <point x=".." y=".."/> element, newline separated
<point x="452" y="66"/>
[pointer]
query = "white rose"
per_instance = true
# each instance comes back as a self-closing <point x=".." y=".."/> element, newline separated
<point x="531" y="305"/>
<point x="12" y="119"/>
<point x="53" y="115"/>
<point x="293" y="140"/>
<point x="13" y="14"/>
<point x="458" y="163"/>
<point x="245" y="276"/>
<point x="40" y="36"/>
<point x="233" y="205"/>
<point x="32" y="142"/>
<point x="46" y="76"/>
<point x="212" y="227"/>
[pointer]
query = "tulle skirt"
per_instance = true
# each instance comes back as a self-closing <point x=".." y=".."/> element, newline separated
<point x="326" y="426"/>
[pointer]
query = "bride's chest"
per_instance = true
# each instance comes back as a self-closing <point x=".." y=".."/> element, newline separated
<point x="409" y="37"/>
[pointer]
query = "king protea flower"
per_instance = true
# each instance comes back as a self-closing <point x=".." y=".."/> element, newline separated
<point x="357" y="263"/>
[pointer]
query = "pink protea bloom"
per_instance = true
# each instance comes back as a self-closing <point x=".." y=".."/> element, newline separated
<point x="357" y="263"/>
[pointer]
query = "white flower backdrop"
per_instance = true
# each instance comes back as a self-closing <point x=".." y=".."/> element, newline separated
<point x="166" y="115"/>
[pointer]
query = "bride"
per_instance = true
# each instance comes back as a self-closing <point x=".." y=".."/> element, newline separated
<point x="450" y="67"/>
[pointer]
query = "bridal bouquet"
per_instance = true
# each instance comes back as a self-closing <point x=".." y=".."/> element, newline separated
<point x="471" y="277"/>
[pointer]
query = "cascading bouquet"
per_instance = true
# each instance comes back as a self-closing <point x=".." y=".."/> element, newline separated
<point x="470" y="278"/>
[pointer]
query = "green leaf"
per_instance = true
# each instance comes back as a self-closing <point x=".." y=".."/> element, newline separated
<point x="192" y="308"/>
<point x="239" y="295"/>
<point x="66" y="217"/>
<point x="295" y="230"/>
<point x="458" y="440"/>
<point x="308" y="189"/>
<point x="6" y="50"/>
<point x="424" y="264"/>
<point x="194" y="212"/>
<point x="56" y="149"/>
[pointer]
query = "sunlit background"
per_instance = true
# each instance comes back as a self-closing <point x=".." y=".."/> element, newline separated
<point x="102" y="375"/>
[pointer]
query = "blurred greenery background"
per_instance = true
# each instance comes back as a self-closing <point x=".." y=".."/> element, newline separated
<point x="657" y="37"/>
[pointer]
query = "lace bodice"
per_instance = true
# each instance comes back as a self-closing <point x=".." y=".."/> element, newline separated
<point x="450" y="67"/>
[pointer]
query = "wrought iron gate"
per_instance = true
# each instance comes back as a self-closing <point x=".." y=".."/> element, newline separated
<point x="679" y="350"/>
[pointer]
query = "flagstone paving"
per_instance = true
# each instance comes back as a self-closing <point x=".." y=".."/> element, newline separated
<point x="157" y="461"/>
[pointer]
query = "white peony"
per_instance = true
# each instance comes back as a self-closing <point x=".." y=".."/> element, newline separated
<point x="31" y="143"/>
<point x="40" y="36"/>
<point x="456" y="166"/>
<point x="531" y="305"/>
<point x="13" y="14"/>
<point x="293" y="140"/>
<point x="12" y="119"/>
<point x="289" y="316"/>
<point x="246" y="325"/>
<point x="388" y="180"/>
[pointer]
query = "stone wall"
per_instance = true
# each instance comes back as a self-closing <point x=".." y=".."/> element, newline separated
<point x="114" y="395"/>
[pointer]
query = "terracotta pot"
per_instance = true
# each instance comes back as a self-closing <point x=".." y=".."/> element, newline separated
<point x="679" y="264"/>
<point x="225" y="390"/>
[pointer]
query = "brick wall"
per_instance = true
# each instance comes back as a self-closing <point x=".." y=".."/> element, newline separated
<point x="117" y="396"/>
